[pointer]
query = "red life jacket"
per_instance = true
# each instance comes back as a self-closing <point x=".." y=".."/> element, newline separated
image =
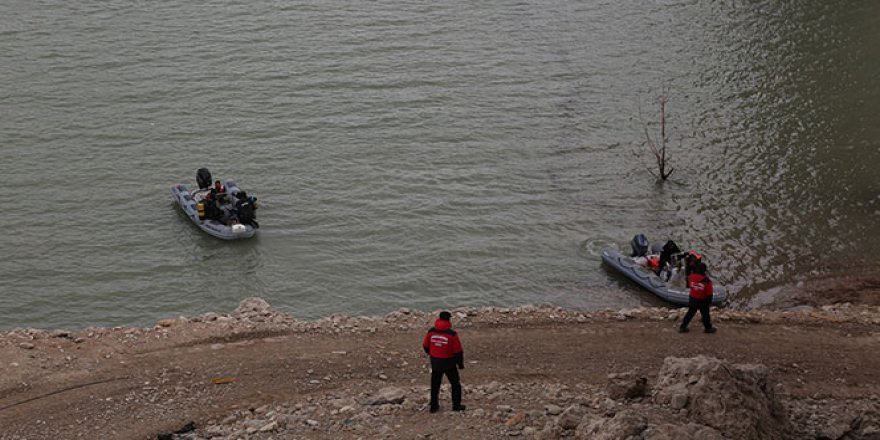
<point x="701" y="286"/>
<point x="441" y="341"/>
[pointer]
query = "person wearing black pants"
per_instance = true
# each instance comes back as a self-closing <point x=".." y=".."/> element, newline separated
<point x="439" y="368"/>
<point x="441" y="343"/>
<point x="700" y="299"/>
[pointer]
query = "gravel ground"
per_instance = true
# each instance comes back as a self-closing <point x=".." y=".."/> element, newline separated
<point x="535" y="371"/>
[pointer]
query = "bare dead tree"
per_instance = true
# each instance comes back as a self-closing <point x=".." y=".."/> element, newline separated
<point x="658" y="151"/>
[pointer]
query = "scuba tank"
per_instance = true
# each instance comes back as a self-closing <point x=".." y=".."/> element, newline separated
<point x="200" y="207"/>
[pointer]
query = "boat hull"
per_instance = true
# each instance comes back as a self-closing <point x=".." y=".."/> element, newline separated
<point x="653" y="283"/>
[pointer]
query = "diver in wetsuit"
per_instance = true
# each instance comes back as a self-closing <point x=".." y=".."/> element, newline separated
<point x="669" y="255"/>
<point x="246" y="210"/>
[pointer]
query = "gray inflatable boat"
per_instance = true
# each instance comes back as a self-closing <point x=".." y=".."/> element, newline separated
<point x="225" y="226"/>
<point x="645" y="277"/>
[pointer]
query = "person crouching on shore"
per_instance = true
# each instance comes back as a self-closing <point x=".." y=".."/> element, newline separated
<point x="441" y="343"/>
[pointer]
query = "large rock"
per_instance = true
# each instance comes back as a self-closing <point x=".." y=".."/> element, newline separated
<point x="735" y="399"/>
<point x="627" y="385"/>
<point x="624" y="425"/>
<point x="256" y="309"/>
<point x="253" y="306"/>
<point x="668" y="431"/>
<point x="571" y="417"/>
<point x="864" y="427"/>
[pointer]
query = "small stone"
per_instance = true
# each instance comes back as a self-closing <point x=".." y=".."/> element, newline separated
<point x="516" y="419"/>
<point x="26" y="345"/>
<point x="679" y="401"/>
<point x="271" y="426"/>
<point x="392" y="395"/>
<point x="553" y="410"/>
<point x="166" y="322"/>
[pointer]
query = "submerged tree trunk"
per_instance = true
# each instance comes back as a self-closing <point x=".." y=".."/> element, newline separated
<point x="659" y="151"/>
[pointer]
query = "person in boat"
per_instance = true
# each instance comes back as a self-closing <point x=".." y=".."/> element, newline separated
<point x="219" y="192"/>
<point x="213" y="203"/>
<point x="700" y="299"/>
<point x="669" y="255"/>
<point x="245" y="209"/>
<point x="211" y="211"/>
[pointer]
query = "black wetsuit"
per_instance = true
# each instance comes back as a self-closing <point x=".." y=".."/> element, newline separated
<point x="670" y="250"/>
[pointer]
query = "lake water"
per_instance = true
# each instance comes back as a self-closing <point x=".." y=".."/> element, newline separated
<point x="426" y="154"/>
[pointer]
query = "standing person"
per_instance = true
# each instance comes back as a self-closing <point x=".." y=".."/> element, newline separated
<point x="700" y="299"/>
<point x="444" y="347"/>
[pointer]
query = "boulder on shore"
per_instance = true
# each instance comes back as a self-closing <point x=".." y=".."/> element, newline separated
<point x="627" y="385"/>
<point x="737" y="400"/>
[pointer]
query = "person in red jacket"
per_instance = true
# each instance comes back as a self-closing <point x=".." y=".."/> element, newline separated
<point x="441" y="343"/>
<point x="219" y="192"/>
<point x="700" y="299"/>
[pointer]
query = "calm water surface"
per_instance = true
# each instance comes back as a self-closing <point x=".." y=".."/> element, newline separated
<point x="426" y="155"/>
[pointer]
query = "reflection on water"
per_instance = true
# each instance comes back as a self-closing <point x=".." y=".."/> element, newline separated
<point x="795" y="192"/>
<point x="427" y="155"/>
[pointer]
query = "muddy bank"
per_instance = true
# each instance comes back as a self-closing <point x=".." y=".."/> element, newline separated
<point x="862" y="287"/>
<point x="537" y="371"/>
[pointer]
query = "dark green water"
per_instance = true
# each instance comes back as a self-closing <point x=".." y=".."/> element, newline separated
<point x="426" y="156"/>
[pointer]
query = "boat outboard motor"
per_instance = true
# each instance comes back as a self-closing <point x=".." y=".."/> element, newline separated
<point x="639" y="245"/>
<point x="203" y="177"/>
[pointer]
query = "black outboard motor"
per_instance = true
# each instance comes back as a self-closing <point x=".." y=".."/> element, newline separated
<point x="639" y="245"/>
<point x="203" y="177"/>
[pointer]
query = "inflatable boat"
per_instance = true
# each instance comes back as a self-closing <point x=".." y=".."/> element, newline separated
<point x="672" y="290"/>
<point x="222" y="220"/>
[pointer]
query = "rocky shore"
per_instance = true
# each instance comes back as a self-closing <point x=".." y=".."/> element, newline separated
<point x="533" y="372"/>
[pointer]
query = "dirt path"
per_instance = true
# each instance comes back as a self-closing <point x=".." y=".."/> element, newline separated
<point x="104" y="387"/>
